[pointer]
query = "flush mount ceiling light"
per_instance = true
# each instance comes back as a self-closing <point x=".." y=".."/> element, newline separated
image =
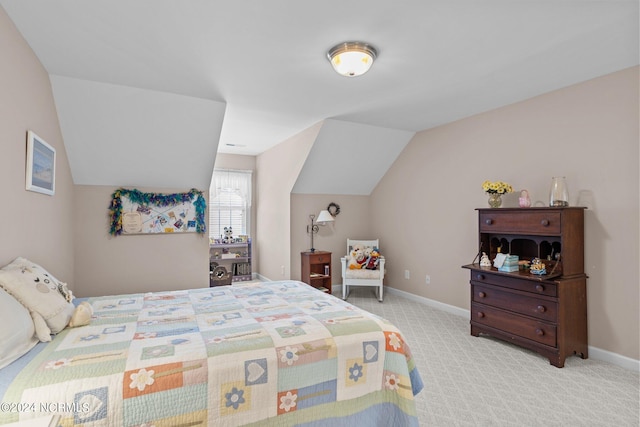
<point x="352" y="59"/>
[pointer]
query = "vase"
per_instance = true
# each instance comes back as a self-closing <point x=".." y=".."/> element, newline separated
<point x="524" y="201"/>
<point x="558" y="194"/>
<point x="495" y="200"/>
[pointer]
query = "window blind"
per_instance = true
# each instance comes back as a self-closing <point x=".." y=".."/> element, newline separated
<point x="229" y="202"/>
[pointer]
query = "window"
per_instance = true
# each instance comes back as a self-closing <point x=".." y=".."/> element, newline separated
<point x="230" y="202"/>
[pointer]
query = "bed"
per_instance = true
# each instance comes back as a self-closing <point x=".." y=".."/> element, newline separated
<point x="267" y="354"/>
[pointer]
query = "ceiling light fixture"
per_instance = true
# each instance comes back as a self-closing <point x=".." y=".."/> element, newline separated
<point x="352" y="59"/>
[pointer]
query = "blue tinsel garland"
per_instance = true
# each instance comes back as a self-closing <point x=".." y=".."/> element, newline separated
<point x="157" y="199"/>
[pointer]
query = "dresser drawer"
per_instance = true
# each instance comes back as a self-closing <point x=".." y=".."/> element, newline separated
<point x="543" y="309"/>
<point x="514" y="282"/>
<point x="515" y="324"/>
<point x="545" y="223"/>
<point x="319" y="258"/>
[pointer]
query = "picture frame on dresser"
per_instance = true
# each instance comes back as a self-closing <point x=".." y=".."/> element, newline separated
<point x="545" y="313"/>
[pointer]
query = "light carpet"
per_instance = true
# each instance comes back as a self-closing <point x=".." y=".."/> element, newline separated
<point x="481" y="381"/>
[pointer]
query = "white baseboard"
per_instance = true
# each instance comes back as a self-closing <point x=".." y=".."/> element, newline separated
<point x="430" y="302"/>
<point x="614" y="358"/>
<point x="594" y="352"/>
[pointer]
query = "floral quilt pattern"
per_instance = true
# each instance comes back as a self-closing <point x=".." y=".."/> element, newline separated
<point x="275" y="353"/>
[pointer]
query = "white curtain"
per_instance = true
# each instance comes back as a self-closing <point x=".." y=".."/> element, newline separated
<point x="236" y="181"/>
<point x="230" y="202"/>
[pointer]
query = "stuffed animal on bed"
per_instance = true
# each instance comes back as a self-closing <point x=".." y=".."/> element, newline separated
<point x="81" y="315"/>
<point x="357" y="259"/>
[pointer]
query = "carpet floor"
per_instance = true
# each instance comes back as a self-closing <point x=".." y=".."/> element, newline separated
<point x="481" y="381"/>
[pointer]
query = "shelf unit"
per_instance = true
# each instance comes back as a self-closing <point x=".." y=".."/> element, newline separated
<point x="547" y="313"/>
<point x="316" y="269"/>
<point x="232" y="258"/>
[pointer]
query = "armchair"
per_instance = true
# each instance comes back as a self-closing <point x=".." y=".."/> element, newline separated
<point x="357" y="276"/>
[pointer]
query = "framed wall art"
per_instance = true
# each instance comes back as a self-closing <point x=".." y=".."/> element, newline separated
<point x="135" y="212"/>
<point x="41" y="165"/>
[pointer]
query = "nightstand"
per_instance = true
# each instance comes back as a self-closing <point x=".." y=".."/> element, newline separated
<point x="316" y="269"/>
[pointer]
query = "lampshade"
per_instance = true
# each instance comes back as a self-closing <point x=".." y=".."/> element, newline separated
<point x="352" y="59"/>
<point x="324" y="216"/>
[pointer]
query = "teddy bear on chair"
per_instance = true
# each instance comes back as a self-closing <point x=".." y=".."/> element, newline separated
<point x="357" y="259"/>
<point x="373" y="260"/>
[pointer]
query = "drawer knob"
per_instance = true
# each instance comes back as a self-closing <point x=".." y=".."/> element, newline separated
<point x="482" y="294"/>
<point x="539" y="288"/>
<point x="542" y="309"/>
<point x="480" y="276"/>
<point x="480" y="314"/>
<point x="488" y="221"/>
<point x="539" y="332"/>
<point x="545" y="222"/>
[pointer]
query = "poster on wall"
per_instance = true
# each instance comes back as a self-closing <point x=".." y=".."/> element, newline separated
<point x="41" y="165"/>
<point x="135" y="212"/>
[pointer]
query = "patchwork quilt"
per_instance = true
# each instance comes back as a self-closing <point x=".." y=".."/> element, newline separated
<point x="268" y="354"/>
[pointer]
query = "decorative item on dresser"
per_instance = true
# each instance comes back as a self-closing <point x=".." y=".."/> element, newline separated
<point x="316" y="269"/>
<point x="558" y="194"/>
<point x="546" y="313"/>
<point x="495" y="190"/>
<point x="524" y="200"/>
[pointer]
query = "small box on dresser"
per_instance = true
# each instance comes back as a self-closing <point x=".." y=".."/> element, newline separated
<point x="546" y="313"/>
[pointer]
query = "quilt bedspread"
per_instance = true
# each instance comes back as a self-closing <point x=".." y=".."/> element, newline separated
<point x="274" y="353"/>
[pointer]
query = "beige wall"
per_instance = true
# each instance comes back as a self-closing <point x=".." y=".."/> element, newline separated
<point x="108" y="265"/>
<point x="277" y="171"/>
<point x="354" y="221"/>
<point x="34" y="225"/>
<point x="424" y="206"/>
<point x="235" y="161"/>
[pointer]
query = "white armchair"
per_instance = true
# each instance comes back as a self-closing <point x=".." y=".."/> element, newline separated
<point x="362" y="276"/>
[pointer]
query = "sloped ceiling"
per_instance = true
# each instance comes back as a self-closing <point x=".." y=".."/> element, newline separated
<point x="349" y="158"/>
<point x="439" y="61"/>
<point x="123" y="136"/>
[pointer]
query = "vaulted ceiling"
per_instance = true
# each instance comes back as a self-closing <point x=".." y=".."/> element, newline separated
<point x="148" y="91"/>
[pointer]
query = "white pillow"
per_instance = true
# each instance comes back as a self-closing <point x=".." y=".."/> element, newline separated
<point x="19" y="338"/>
<point x="41" y="294"/>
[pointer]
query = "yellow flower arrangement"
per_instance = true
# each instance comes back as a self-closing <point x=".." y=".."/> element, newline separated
<point x="497" y="187"/>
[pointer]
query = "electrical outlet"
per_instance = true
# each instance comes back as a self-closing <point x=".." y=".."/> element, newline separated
<point x="282" y="270"/>
<point x="427" y="279"/>
<point x="407" y="275"/>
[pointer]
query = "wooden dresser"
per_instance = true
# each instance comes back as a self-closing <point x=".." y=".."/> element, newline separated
<point x="316" y="269"/>
<point x="547" y="313"/>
